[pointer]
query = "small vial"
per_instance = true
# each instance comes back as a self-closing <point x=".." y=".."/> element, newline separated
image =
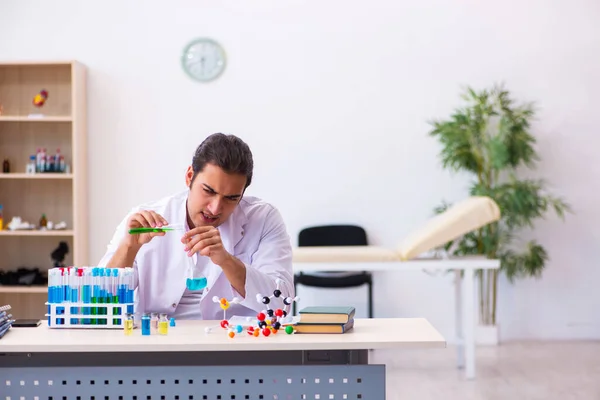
<point x="154" y="322"/>
<point x="146" y="324"/>
<point x="129" y="325"/>
<point x="163" y="324"/>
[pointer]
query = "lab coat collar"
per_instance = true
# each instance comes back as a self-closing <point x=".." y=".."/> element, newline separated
<point x="232" y="231"/>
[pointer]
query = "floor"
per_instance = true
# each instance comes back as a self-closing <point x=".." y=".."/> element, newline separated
<point x="514" y="371"/>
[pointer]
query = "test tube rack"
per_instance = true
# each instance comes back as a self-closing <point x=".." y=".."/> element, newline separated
<point x="80" y="315"/>
<point x="89" y="297"/>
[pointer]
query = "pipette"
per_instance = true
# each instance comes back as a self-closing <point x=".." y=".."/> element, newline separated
<point x="137" y="231"/>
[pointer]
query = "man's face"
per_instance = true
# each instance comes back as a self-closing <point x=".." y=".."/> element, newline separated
<point x="213" y="195"/>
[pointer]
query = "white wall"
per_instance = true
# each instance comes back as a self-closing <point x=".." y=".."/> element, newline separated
<point x="328" y="94"/>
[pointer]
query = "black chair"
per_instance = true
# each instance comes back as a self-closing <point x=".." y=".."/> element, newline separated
<point x="335" y="235"/>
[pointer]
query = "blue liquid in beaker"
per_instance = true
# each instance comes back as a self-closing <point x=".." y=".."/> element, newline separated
<point x="196" y="283"/>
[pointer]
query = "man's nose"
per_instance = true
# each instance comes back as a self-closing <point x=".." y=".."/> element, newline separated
<point x="215" y="206"/>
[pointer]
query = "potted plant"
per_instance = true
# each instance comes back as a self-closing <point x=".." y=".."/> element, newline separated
<point x="489" y="138"/>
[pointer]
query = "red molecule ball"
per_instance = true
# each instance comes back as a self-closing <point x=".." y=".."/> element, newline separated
<point x="266" y="331"/>
<point x="261" y="316"/>
<point x="224" y="323"/>
<point x="279" y="312"/>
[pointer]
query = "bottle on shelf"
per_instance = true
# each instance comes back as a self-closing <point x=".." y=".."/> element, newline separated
<point x="1" y="217"/>
<point x="31" y="165"/>
<point x="43" y="221"/>
<point x="6" y="166"/>
<point x="57" y="157"/>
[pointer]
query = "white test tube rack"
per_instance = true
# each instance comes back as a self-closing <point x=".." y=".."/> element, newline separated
<point x="107" y="315"/>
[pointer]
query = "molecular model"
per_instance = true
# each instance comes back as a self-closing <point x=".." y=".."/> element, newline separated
<point x="270" y="320"/>
<point x="224" y="304"/>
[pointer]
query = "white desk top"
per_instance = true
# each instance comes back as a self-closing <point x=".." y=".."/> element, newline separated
<point x="376" y="333"/>
<point x="411" y="265"/>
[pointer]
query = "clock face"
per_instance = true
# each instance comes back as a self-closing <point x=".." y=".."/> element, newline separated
<point x="203" y="60"/>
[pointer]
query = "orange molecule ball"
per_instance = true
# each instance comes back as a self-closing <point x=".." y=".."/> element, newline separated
<point x="231" y="334"/>
<point x="256" y="333"/>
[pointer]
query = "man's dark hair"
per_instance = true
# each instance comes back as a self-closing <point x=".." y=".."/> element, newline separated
<point x="228" y="152"/>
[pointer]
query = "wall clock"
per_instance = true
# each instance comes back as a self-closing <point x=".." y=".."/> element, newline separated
<point x="203" y="59"/>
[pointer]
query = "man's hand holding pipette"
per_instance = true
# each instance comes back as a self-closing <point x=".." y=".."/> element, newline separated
<point x="206" y="241"/>
<point x="131" y="243"/>
<point x="144" y="219"/>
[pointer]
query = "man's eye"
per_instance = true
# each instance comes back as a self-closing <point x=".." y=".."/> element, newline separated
<point x="209" y="191"/>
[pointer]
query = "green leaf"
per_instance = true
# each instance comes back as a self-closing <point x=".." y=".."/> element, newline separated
<point x="529" y="263"/>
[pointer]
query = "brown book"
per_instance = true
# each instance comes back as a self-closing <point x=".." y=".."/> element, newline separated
<point x="326" y="314"/>
<point x="324" y="328"/>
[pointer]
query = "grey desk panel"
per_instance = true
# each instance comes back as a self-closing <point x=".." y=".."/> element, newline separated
<point x="204" y="358"/>
<point x="279" y="382"/>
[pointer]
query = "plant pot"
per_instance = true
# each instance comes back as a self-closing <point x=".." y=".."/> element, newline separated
<point x="486" y="335"/>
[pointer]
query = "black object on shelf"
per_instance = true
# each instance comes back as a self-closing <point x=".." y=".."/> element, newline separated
<point x="58" y="255"/>
<point x="23" y="277"/>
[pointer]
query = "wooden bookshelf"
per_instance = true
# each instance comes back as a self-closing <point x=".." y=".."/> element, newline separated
<point x="61" y="123"/>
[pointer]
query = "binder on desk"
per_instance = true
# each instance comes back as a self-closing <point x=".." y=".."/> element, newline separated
<point x="5" y="320"/>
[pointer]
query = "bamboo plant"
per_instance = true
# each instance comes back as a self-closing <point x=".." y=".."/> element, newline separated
<point x="489" y="138"/>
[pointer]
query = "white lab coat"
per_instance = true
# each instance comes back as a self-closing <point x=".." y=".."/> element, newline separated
<point x="254" y="233"/>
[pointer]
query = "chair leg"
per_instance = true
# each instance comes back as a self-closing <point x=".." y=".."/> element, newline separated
<point x="370" y="299"/>
<point x="295" y="294"/>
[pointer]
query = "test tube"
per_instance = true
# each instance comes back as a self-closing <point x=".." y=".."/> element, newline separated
<point x="115" y="294"/>
<point x="95" y="294"/>
<point x="130" y="289"/>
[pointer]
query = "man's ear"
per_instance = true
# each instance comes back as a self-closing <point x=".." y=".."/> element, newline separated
<point x="189" y="175"/>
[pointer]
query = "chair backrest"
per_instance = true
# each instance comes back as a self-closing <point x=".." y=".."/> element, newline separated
<point x="333" y="235"/>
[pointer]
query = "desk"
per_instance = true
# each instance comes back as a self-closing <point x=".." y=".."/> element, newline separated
<point x="189" y="364"/>
<point x="464" y="293"/>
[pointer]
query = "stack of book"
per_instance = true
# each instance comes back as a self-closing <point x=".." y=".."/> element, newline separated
<point x="5" y="320"/>
<point x="324" y="319"/>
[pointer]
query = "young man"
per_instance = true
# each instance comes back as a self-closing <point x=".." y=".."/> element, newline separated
<point x="240" y="244"/>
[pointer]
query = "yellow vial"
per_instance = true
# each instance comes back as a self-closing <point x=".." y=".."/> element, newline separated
<point x="129" y="325"/>
<point x="163" y="325"/>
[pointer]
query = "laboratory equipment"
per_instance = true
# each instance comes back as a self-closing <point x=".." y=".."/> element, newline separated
<point x="145" y="324"/>
<point x="154" y="322"/>
<point x="89" y="297"/>
<point x="144" y="229"/>
<point x="194" y="283"/>
<point x="128" y="324"/>
<point x="163" y="324"/>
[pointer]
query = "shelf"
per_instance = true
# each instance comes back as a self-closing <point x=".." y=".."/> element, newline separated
<point x="46" y="175"/>
<point x="13" y="118"/>
<point x="37" y="233"/>
<point x="23" y="289"/>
